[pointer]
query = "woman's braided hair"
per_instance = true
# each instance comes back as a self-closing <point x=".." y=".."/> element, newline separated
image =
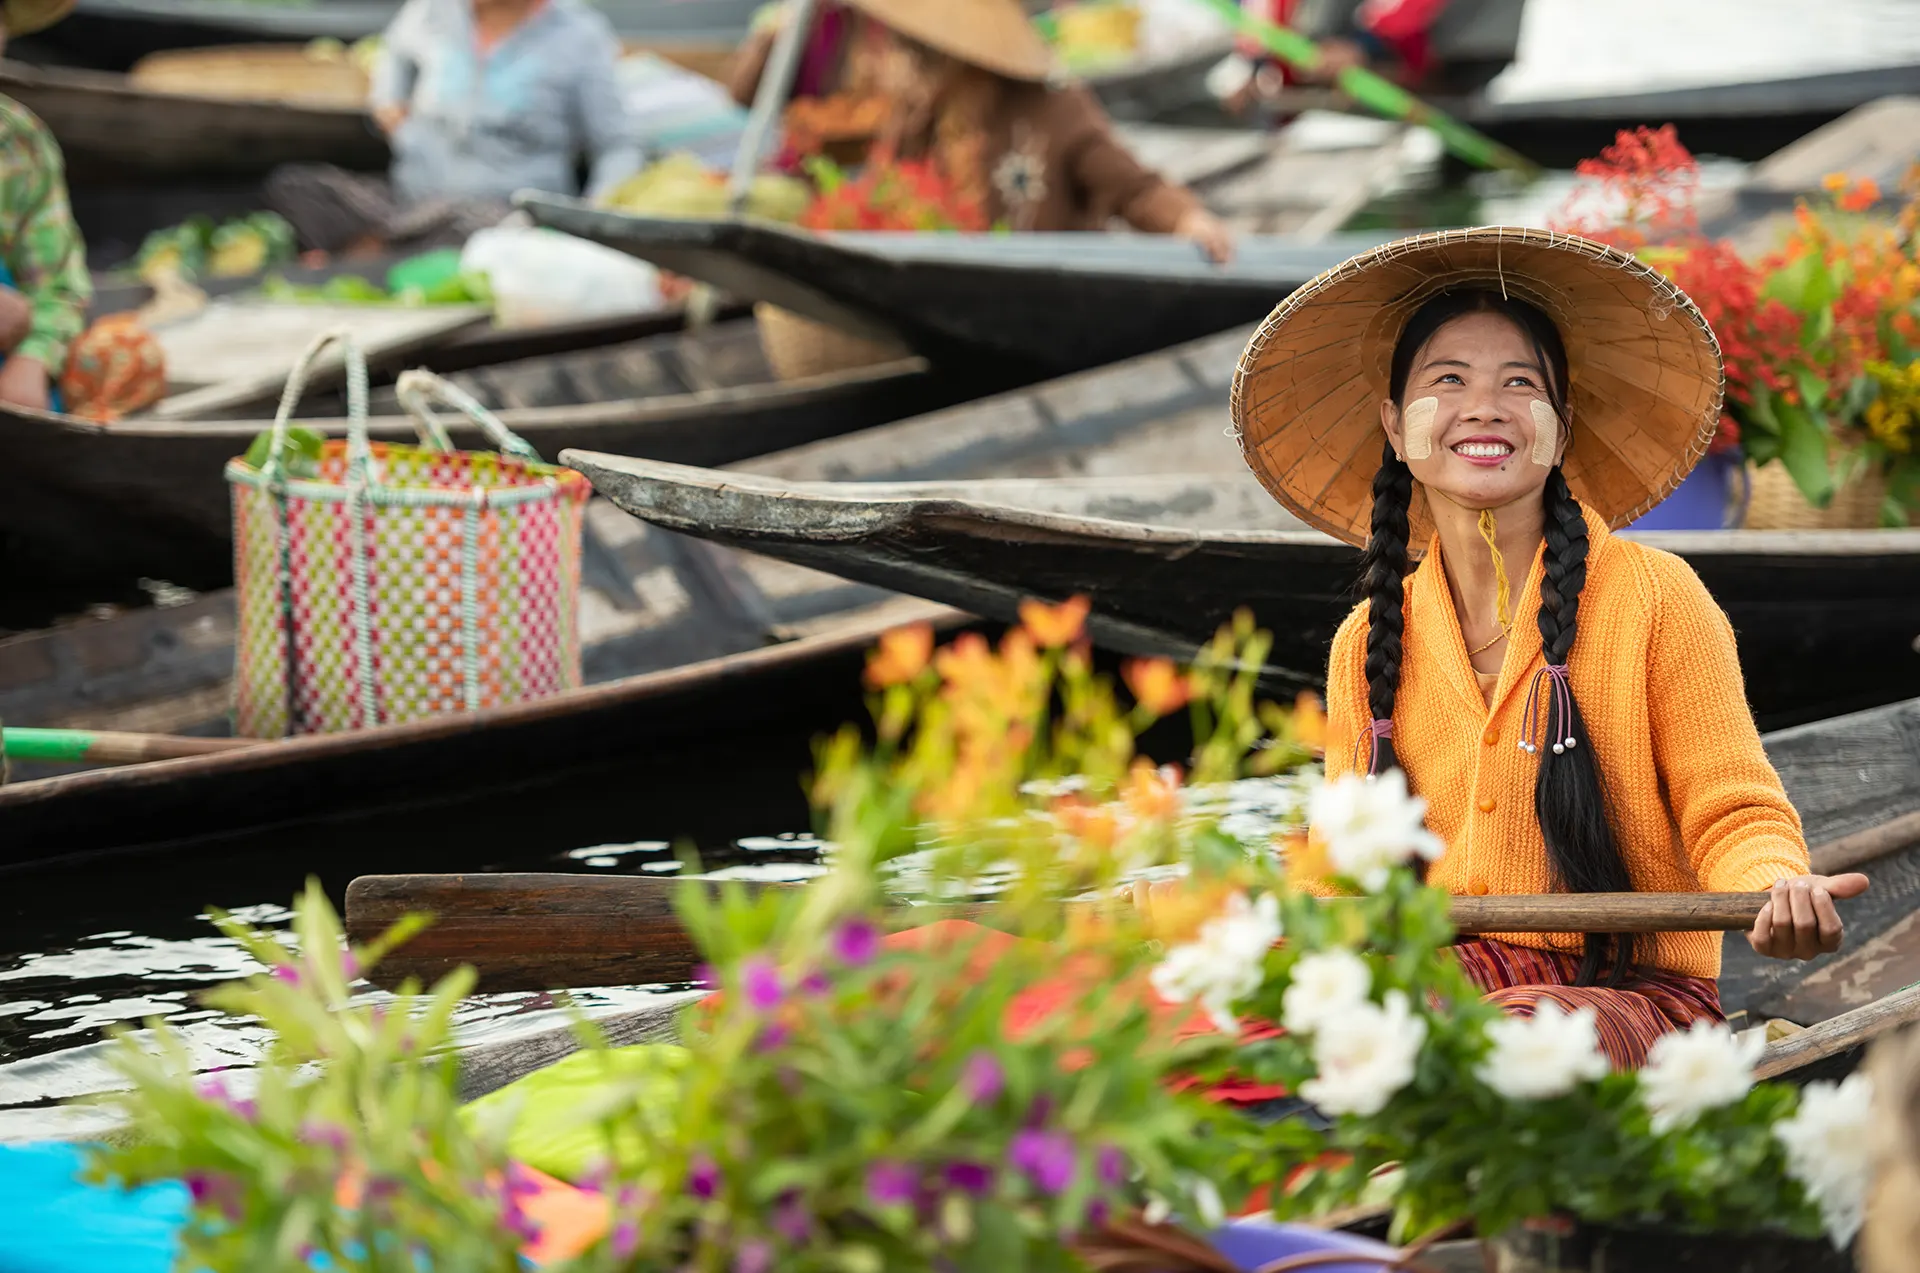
<point x="1568" y="797"/>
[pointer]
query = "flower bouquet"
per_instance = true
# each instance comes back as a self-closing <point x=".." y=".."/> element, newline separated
<point x="1059" y="1080"/>
<point x="888" y="194"/>
<point x="1820" y="333"/>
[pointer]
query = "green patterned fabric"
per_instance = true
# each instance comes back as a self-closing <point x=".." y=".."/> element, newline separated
<point x="580" y="1112"/>
<point x="39" y="241"/>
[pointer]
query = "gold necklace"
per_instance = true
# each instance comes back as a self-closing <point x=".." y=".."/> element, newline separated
<point x="1498" y="637"/>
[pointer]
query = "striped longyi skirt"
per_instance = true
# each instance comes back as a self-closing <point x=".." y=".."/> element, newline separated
<point x="1629" y="1019"/>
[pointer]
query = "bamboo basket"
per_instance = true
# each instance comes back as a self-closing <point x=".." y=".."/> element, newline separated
<point x="1777" y="504"/>
<point x="798" y="348"/>
<point x="254" y="73"/>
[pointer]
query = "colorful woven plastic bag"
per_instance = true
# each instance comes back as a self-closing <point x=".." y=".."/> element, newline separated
<point x="397" y="582"/>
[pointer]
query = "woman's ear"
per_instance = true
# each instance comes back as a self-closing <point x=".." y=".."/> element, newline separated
<point x="1390" y="425"/>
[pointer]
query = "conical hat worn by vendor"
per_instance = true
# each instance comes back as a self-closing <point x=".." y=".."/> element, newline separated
<point x="1645" y="376"/>
<point x="994" y="35"/>
<point x="24" y="17"/>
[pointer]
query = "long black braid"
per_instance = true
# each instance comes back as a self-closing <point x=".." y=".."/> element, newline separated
<point x="1568" y="796"/>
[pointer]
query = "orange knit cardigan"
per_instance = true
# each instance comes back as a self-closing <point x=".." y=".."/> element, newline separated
<point x="1696" y="806"/>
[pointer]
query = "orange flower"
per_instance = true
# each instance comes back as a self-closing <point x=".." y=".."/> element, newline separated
<point x="902" y="655"/>
<point x="1153" y="794"/>
<point x="1861" y="197"/>
<point x="1835" y="182"/>
<point x="1157" y="685"/>
<point x="1054" y="626"/>
<point x="1309" y="721"/>
<point x="1094" y="825"/>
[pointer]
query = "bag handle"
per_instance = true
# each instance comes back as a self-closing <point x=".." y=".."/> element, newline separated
<point x="419" y="390"/>
<point x="359" y="450"/>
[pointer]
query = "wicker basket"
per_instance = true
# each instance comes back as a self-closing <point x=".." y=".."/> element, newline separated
<point x="798" y="348"/>
<point x="1777" y="504"/>
<point x="254" y="73"/>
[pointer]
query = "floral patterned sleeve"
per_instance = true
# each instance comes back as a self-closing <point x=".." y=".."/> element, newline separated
<point x="39" y="242"/>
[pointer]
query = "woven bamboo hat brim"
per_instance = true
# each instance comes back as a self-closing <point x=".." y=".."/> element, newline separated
<point x="994" y="35"/>
<point x="1645" y="374"/>
<point x="24" y="17"/>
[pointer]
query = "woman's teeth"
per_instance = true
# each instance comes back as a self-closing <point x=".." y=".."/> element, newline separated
<point x="1484" y="450"/>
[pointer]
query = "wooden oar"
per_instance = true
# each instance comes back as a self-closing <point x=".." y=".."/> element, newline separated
<point x="554" y="931"/>
<point x="548" y="931"/>
<point x="107" y="747"/>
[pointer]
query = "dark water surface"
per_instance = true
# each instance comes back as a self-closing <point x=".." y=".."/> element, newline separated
<point x="82" y="951"/>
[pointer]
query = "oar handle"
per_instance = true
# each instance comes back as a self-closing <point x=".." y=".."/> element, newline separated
<point x="107" y="747"/>
<point x="549" y="931"/>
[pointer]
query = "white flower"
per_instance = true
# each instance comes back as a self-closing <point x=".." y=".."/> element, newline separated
<point x="1364" y="1056"/>
<point x="1226" y="963"/>
<point x="1543" y="1056"/>
<point x="1689" y="1072"/>
<point x="1371" y="825"/>
<point x="1829" y="1153"/>
<point x="1325" y="984"/>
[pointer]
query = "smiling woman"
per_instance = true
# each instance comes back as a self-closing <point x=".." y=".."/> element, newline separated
<point x="1525" y="394"/>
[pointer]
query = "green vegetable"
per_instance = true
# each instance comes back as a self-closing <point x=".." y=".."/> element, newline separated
<point x="299" y="453"/>
<point x="556" y="1113"/>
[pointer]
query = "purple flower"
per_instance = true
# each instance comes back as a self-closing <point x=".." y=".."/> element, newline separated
<point x="331" y="1135"/>
<point x="815" y="983"/>
<point x="349" y="966"/>
<point x="1110" y="1165"/>
<point x="519" y="1183"/>
<point x="1097" y="1213"/>
<point x="760" y="982"/>
<point x="626" y="1238"/>
<point x="520" y="1224"/>
<point x="773" y="1038"/>
<point x="982" y="1076"/>
<point x="287" y="973"/>
<point x="1040" y="1111"/>
<point x="703" y="1178"/>
<point x="755" y="1255"/>
<point x="706" y="975"/>
<point x="1047" y="1158"/>
<point x="891" y="1183"/>
<point x="970" y="1177"/>
<point x="791" y="1220"/>
<point x="857" y="942"/>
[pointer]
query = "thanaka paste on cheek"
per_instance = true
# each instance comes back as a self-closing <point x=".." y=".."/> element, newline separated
<point x="1418" y="422"/>
<point x="1546" y="433"/>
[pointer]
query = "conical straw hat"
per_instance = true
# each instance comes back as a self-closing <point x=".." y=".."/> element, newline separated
<point x="995" y="35"/>
<point x="24" y="17"/>
<point x="1644" y="368"/>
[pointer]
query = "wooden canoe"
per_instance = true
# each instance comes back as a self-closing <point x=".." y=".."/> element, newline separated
<point x="1826" y="620"/>
<point x="1845" y="775"/>
<point x="1051" y="303"/>
<point x="148" y="496"/>
<point x="115" y="133"/>
<point x="1748" y="120"/>
<point x="164" y="670"/>
<point x="114" y="34"/>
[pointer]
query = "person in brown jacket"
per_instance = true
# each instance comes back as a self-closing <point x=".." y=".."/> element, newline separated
<point x="965" y="83"/>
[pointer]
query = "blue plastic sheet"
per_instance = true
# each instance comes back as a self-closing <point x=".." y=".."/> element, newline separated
<point x="52" y="1222"/>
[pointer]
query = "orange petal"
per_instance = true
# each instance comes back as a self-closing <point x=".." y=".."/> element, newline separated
<point x="903" y="654"/>
<point x="1157" y="685"/>
<point x="1054" y="626"/>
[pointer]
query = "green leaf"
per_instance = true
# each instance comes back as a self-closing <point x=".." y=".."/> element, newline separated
<point x="1813" y="389"/>
<point x="1803" y="449"/>
<point x="1805" y="284"/>
<point x="299" y="453"/>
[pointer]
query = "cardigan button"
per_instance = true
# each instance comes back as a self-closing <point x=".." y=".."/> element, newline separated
<point x="1478" y="888"/>
<point x="1491" y="737"/>
<point x="1486" y="804"/>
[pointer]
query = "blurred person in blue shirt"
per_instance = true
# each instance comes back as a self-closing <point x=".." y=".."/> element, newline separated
<point x="478" y="99"/>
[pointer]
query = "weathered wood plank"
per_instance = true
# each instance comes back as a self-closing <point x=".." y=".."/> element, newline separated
<point x="1872" y="970"/>
<point x="1841" y="1041"/>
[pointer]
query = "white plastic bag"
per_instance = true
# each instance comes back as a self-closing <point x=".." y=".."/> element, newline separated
<point x="542" y="276"/>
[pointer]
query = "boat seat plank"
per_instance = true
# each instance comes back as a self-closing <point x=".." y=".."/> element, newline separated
<point x="241" y="351"/>
<point x="1872" y="970"/>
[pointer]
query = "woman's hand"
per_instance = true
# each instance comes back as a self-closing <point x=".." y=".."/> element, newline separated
<point x="1210" y="232"/>
<point x="24" y="383"/>
<point x="1800" y="921"/>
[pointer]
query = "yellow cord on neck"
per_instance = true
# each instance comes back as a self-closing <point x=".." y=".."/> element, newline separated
<point x="1503" y="590"/>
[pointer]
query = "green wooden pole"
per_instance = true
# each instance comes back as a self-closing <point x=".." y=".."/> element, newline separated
<point x="1381" y="96"/>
